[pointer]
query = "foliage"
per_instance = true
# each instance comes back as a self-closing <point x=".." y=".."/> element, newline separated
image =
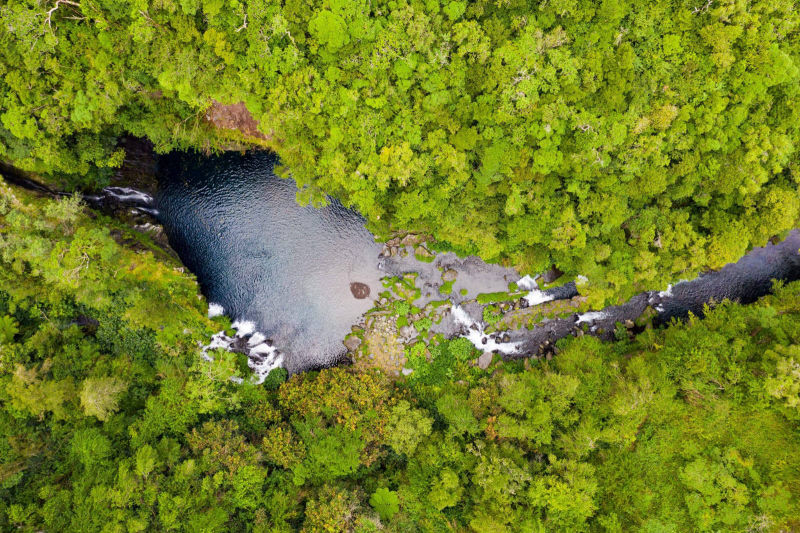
<point x="125" y="426"/>
<point x="8" y="329"/>
<point x="275" y="377"/>
<point x="492" y="314"/>
<point x="407" y="428"/>
<point x="385" y="502"/>
<point x="634" y="143"/>
<point x="100" y="396"/>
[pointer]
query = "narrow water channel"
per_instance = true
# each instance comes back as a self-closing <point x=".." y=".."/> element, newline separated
<point x="302" y="276"/>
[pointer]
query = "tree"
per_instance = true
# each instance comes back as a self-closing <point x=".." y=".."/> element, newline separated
<point x="407" y="427"/>
<point x="100" y="396"/>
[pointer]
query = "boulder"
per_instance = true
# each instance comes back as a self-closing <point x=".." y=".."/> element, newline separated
<point x="352" y="343"/>
<point x="359" y="290"/>
<point x="449" y="275"/>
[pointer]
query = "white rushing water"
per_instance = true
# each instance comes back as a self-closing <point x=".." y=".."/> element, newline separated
<point x="127" y="194"/>
<point x="262" y="356"/>
<point x="591" y="316"/>
<point x="215" y="310"/>
<point x="535" y="296"/>
<point x="475" y="334"/>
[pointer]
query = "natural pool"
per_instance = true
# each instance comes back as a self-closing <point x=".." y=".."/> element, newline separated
<point x="296" y="278"/>
<point x="302" y="276"/>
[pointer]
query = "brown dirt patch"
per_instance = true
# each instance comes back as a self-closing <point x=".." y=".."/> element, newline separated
<point x="234" y="117"/>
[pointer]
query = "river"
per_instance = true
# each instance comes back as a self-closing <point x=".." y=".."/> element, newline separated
<point x="295" y="279"/>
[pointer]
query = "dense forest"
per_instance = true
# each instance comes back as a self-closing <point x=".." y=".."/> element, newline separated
<point x="634" y="143"/>
<point x="630" y="143"/>
<point x="112" y="421"/>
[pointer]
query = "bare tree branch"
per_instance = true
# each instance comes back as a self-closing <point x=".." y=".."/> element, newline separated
<point x="244" y="24"/>
<point x="49" y="16"/>
<point x="704" y="8"/>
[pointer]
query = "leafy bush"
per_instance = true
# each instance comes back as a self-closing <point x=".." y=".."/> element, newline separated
<point x="385" y="502"/>
<point x="275" y="378"/>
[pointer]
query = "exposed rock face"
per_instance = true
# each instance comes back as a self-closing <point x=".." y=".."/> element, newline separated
<point x="359" y="290"/>
<point x="138" y="170"/>
<point x="485" y="360"/>
<point x="352" y="343"/>
<point x="407" y="332"/>
<point x="551" y="275"/>
<point x="234" y="117"/>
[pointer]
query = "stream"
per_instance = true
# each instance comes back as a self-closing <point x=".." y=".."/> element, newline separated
<point x="296" y="279"/>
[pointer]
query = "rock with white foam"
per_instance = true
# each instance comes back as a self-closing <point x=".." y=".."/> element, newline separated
<point x="256" y="339"/>
<point x="591" y="316"/>
<point x="262" y="357"/>
<point x="536" y="297"/>
<point x="475" y="334"/>
<point x="527" y="283"/>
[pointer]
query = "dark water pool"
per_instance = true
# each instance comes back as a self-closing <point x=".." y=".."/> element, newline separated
<point x="295" y="272"/>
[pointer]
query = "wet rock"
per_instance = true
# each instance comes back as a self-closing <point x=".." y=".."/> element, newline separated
<point x="352" y="343"/>
<point x="485" y="360"/>
<point x="407" y="331"/>
<point x="359" y="290"/>
<point x="239" y="344"/>
<point x="551" y="275"/>
<point x="421" y="251"/>
<point x="449" y="275"/>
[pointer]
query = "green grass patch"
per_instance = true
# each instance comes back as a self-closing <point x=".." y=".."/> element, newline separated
<point x="492" y="314"/>
<point x="401" y="307"/>
<point x="423" y="324"/>
<point x="447" y="287"/>
<point x="494" y="297"/>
